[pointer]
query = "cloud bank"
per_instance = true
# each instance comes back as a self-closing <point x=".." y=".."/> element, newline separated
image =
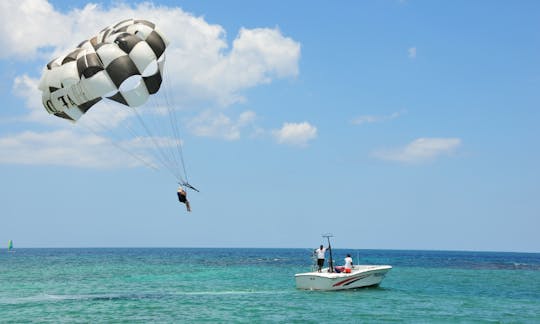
<point x="62" y="147"/>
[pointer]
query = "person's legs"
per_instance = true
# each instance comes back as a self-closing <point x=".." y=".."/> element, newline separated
<point x="320" y="263"/>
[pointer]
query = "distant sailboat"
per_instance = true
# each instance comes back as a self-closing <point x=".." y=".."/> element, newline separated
<point x="10" y="246"/>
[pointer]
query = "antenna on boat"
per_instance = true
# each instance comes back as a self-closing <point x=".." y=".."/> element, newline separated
<point x="330" y="260"/>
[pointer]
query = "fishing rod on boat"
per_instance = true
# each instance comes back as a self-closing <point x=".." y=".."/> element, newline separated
<point x="330" y="260"/>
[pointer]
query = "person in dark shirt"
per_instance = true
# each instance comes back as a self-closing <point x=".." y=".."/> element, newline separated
<point x="182" y="197"/>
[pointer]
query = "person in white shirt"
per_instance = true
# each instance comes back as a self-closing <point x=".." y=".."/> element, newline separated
<point x="320" y="256"/>
<point x="348" y="263"/>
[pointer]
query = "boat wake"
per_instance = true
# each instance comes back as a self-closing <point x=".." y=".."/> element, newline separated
<point x="51" y="298"/>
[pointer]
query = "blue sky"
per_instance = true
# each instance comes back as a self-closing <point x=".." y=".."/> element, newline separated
<point x="391" y="124"/>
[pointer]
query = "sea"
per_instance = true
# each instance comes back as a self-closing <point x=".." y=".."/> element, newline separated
<point x="238" y="285"/>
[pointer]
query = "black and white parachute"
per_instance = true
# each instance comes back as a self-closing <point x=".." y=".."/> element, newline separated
<point x="124" y="63"/>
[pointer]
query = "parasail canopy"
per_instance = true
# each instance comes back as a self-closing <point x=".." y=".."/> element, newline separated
<point x="123" y="62"/>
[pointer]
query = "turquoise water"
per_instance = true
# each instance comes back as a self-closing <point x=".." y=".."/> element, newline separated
<point x="257" y="285"/>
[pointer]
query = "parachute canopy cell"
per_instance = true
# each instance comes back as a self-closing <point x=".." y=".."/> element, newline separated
<point x="123" y="62"/>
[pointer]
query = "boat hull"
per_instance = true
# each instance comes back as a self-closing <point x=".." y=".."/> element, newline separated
<point x="360" y="276"/>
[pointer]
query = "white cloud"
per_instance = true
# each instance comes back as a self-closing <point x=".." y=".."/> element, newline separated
<point x="218" y="125"/>
<point x="412" y="52"/>
<point x="76" y="148"/>
<point x="297" y="134"/>
<point x="367" y="119"/>
<point x="27" y="25"/>
<point x="420" y="150"/>
<point x="257" y="56"/>
<point x="66" y="148"/>
<point x="27" y="88"/>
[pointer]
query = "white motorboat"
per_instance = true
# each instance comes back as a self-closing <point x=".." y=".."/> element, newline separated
<point x="331" y="279"/>
<point x="360" y="276"/>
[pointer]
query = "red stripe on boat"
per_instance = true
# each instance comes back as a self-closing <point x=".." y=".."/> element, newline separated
<point x="344" y="281"/>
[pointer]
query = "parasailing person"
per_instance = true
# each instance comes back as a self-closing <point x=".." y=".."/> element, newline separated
<point x="123" y="63"/>
<point x="182" y="197"/>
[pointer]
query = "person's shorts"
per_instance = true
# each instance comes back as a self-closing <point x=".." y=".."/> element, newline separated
<point x="320" y="262"/>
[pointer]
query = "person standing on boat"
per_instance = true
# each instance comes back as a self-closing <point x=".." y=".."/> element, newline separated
<point x="348" y="264"/>
<point x="321" y="251"/>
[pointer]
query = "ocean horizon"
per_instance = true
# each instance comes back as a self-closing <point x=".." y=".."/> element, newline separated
<point x="244" y="285"/>
<point x="272" y="248"/>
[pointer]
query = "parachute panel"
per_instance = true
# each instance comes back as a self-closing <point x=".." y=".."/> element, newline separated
<point x="143" y="56"/>
<point x="120" y="69"/>
<point x="157" y="43"/>
<point x="136" y="96"/>
<point x="108" y="52"/>
<point x="153" y="82"/>
<point x="88" y="65"/>
<point x="98" y="85"/>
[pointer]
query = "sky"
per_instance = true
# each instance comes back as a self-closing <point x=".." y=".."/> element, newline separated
<point x="390" y="124"/>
